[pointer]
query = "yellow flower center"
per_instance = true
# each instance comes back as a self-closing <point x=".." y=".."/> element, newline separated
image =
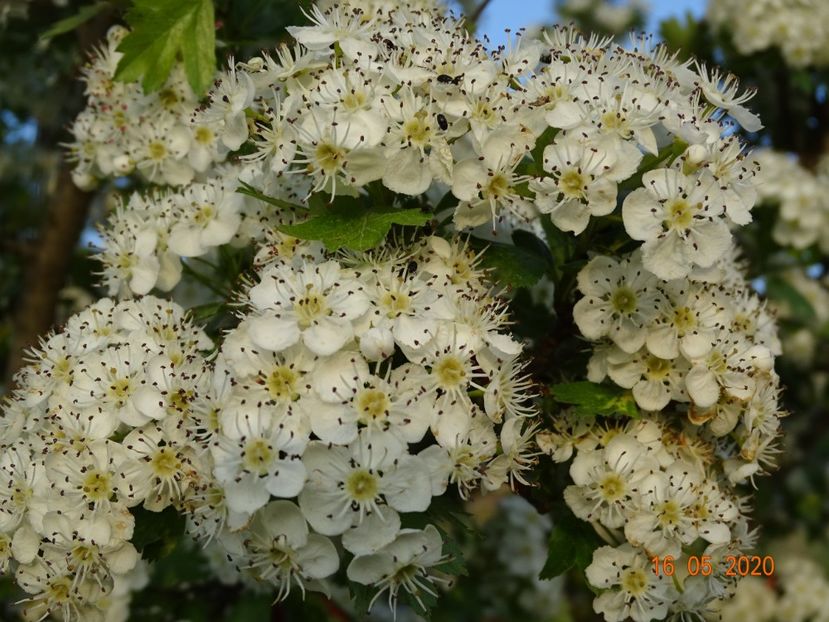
<point x="372" y="404"/>
<point x="684" y="320"/>
<point x="310" y="307"/>
<point x="165" y="462"/>
<point x="498" y="186"/>
<point x="362" y="485"/>
<point x="281" y="383"/>
<point x="395" y="303"/>
<point x="573" y="184"/>
<point x="157" y="150"/>
<point x="669" y="514"/>
<point x="634" y="581"/>
<point x="612" y="487"/>
<point x="204" y="214"/>
<point x="257" y="456"/>
<point x="354" y="100"/>
<point x="417" y="130"/>
<point x="97" y="486"/>
<point x="450" y="372"/>
<point x="657" y="368"/>
<point x="623" y="300"/>
<point x="203" y="135"/>
<point x="680" y="214"/>
<point x="329" y="158"/>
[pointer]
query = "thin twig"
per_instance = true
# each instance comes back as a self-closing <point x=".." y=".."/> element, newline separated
<point x="477" y="14"/>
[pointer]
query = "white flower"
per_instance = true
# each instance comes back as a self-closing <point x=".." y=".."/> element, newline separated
<point x="620" y="300"/>
<point x="687" y="323"/>
<point x="210" y="218"/>
<point x="373" y="475"/>
<point x="316" y="303"/>
<point x="655" y="381"/>
<point x="279" y="548"/>
<point x="160" y="152"/>
<point x="404" y="563"/>
<point x="721" y="90"/>
<point x="675" y="218"/>
<point x="160" y="466"/>
<point x="632" y="589"/>
<point x="663" y="521"/>
<point x="257" y="454"/>
<point x="730" y="366"/>
<point x="581" y="183"/>
<point x="226" y="110"/>
<point x="350" y="398"/>
<point x="608" y="480"/>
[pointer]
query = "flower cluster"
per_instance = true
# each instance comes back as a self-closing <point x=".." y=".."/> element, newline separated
<point x="799" y="593"/>
<point x="94" y="429"/>
<point x="407" y="99"/>
<point x="657" y="489"/>
<point x="518" y="535"/>
<point x="351" y="393"/>
<point x="799" y="28"/>
<point x="605" y="16"/>
<point x="706" y="345"/>
<point x="801" y="197"/>
<point x="123" y="129"/>
<point x="148" y="235"/>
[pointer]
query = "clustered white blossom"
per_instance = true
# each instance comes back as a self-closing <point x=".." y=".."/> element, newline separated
<point x="610" y="16"/>
<point x="149" y="237"/>
<point x="799" y="28"/>
<point x="519" y="533"/>
<point x="799" y="592"/>
<point x="352" y="392"/>
<point x="650" y="488"/>
<point x="802" y="197"/>
<point x="95" y="427"/>
<point x="801" y="221"/>
<point x="124" y="130"/>
<point x="705" y="345"/>
<point x="408" y="99"/>
<point x="358" y="387"/>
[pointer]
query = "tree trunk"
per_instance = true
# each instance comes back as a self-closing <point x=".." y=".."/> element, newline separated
<point x="67" y="209"/>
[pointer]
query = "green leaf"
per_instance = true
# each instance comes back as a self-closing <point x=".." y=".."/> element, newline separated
<point x="680" y="35"/>
<point x="651" y="162"/>
<point x="156" y="533"/>
<point x="163" y="29"/>
<point x="590" y="398"/>
<point x="350" y="224"/>
<point x="571" y="543"/>
<point x="547" y="137"/>
<point x="780" y="289"/>
<point x="70" y="23"/>
<point x="514" y="266"/>
<point x="250" y="191"/>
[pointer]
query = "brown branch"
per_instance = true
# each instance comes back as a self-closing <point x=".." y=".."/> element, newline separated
<point x="473" y="19"/>
<point x="67" y="210"/>
<point x="46" y="274"/>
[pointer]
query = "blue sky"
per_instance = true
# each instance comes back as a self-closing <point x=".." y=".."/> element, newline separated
<point x="514" y="14"/>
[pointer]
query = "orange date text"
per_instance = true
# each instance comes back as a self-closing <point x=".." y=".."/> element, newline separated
<point x="703" y="565"/>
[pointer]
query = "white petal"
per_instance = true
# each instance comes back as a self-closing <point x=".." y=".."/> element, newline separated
<point x="318" y="559"/>
<point x="408" y="173"/>
<point x="327" y="336"/>
<point x="702" y="387"/>
<point x="375" y="532"/>
<point x="246" y="495"/>
<point x="272" y="333"/>
<point x="287" y="480"/>
<point x="640" y="220"/>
